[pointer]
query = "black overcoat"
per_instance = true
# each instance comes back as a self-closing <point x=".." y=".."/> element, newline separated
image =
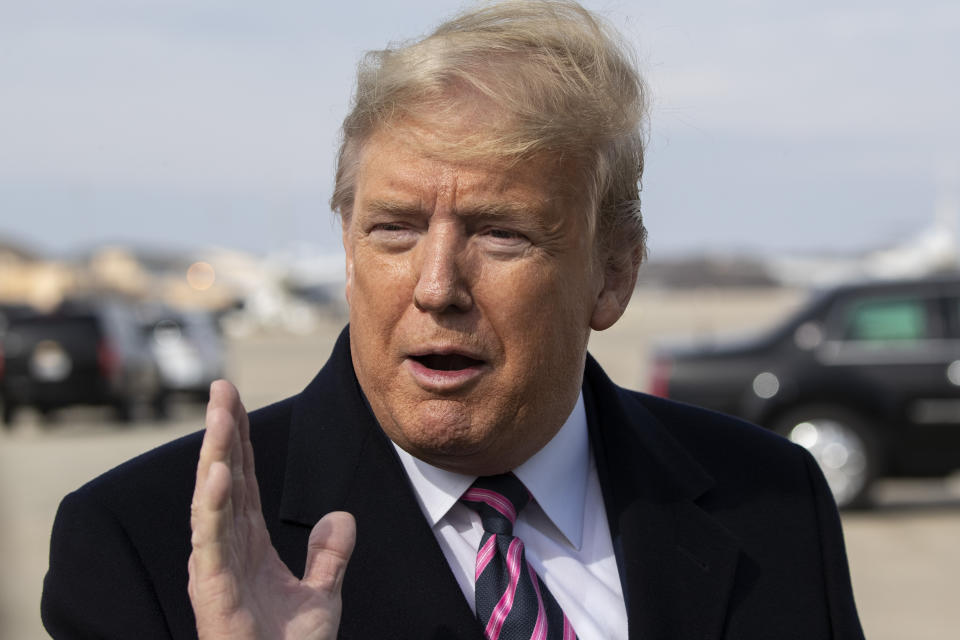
<point x="722" y="529"/>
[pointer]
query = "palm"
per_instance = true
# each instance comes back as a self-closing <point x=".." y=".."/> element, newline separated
<point x="239" y="587"/>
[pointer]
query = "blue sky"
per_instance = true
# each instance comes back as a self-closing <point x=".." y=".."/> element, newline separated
<point x="775" y="126"/>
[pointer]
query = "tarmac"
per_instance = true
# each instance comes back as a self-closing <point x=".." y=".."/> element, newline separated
<point x="904" y="553"/>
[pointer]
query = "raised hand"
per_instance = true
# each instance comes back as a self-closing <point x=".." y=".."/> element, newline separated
<point x="239" y="587"/>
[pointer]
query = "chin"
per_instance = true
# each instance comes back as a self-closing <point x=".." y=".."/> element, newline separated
<point x="444" y="429"/>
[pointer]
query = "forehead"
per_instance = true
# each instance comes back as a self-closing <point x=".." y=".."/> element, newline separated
<point x="417" y="162"/>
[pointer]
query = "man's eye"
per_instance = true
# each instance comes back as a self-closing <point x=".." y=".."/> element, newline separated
<point x="392" y="230"/>
<point x="504" y="234"/>
<point x="393" y="235"/>
<point x="389" y="226"/>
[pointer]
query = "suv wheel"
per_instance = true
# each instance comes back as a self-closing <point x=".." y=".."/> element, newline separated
<point x="161" y="405"/>
<point x="9" y="410"/>
<point x="123" y="409"/>
<point x="841" y="445"/>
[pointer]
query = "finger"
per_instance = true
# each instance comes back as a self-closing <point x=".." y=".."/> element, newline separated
<point x="245" y="493"/>
<point x="328" y="551"/>
<point x="225" y="403"/>
<point x="220" y="427"/>
<point x="221" y="442"/>
<point x="213" y="506"/>
<point x="216" y="445"/>
<point x="212" y="521"/>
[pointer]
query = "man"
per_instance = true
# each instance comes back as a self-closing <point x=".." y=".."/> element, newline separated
<point x="460" y="468"/>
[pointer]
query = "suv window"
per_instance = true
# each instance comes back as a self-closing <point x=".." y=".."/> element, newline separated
<point x="885" y="329"/>
<point x="885" y="321"/>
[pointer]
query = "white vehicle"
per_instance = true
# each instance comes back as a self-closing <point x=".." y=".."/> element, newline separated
<point x="188" y="350"/>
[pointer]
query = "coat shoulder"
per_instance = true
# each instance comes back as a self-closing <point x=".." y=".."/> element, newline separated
<point x="742" y="458"/>
<point x="700" y="429"/>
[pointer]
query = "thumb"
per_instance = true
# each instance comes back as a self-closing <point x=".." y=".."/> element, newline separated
<point x="328" y="550"/>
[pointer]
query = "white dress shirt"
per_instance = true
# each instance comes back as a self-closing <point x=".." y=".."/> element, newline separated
<point x="564" y="528"/>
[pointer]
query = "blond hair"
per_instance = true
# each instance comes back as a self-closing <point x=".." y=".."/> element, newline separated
<point x="564" y="78"/>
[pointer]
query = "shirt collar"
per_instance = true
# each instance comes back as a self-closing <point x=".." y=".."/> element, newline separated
<point x="556" y="476"/>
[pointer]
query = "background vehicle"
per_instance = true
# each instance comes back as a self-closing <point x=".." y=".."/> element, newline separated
<point x="90" y="353"/>
<point x="867" y="377"/>
<point x="188" y="350"/>
<point x="10" y="312"/>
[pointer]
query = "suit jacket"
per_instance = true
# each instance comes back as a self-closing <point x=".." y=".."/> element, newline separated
<point x="721" y="529"/>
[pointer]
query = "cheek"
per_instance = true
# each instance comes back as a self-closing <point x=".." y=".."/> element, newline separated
<point x="539" y="294"/>
<point x="541" y="311"/>
<point x="378" y="285"/>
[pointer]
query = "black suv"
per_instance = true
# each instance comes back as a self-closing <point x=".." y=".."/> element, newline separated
<point x="867" y="377"/>
<point x="83" y="354"/>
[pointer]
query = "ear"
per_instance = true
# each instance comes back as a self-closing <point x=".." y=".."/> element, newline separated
<point x="619" y="276"/>
<point x="348" y="252"/>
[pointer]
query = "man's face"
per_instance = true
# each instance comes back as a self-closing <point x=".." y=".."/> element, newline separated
<point x="472" y="291"/>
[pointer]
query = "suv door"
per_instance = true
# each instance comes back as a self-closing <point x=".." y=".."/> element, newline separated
<point x="893" y="349"/>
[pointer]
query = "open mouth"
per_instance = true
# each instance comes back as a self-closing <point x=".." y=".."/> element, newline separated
<point x="447" y="362"/>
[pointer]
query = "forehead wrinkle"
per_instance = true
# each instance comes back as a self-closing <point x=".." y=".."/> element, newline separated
<point x="499" y="194"/>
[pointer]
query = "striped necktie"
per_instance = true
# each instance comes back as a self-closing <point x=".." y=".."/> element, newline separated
<point x="512" y="602"/>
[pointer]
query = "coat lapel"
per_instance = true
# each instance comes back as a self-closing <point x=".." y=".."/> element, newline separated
<point x="677" y="562"/>
<point x="398" y="583"/>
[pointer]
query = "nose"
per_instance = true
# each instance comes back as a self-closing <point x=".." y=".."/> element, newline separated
<point x="441" y="284"/>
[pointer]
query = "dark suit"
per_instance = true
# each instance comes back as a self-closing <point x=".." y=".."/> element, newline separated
<point x="722" y="530"/>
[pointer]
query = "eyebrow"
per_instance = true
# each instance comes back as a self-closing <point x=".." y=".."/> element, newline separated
<point x="488" y="209"/>
<point x="498" y="210"/>
<point x="392" y="206"/>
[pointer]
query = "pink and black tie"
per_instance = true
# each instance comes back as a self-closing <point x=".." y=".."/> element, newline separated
<point x="512" y="602"/>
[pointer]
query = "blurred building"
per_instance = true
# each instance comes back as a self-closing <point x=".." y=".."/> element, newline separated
<point x="26" y="279"/>
<point x="289" y="292"/>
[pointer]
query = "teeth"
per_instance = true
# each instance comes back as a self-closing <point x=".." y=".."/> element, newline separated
<point x="451" y="362"/>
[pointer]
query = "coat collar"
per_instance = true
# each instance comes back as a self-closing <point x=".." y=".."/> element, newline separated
<point x="677" y="562"/>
